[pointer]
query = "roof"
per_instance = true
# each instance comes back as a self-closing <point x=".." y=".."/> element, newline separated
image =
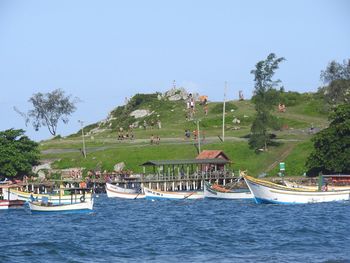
<point x="188" y="161"/>
<point x="211" y="154"/>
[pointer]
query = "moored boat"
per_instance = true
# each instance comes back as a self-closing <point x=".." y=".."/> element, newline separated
<point x="268" y="192"/>
<point x="8" y="204"/>
<point x="124" y="193"/>
<point x="82" y="206"/>
<point x="175" y="195"/>
<point x="218" y="192"/>
<point x="5" y="203"/>
<point x="55" y="198"/>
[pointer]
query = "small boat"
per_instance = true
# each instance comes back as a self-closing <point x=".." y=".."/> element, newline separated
<point x="9" y="204"/>
<point x="156" y="194"/>
<point x="124" y="193"/>
<point x="267" y="192"/>
<point x="5" y="203"/>
<point x="55" y="198"/>
<point x="76" y="205"/>
<point x="219" y="192"/>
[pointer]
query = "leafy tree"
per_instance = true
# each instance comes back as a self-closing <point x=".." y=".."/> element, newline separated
<point x="17" y="153"/>
<point x="336" y="71"/>
<point x="49" y="108"/>
<point x="332" y="145"/>
<point x="337" y="78"/>
<point x="265" y="97"/>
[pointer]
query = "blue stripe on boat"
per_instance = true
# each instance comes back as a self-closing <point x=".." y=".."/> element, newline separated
<point x="81" y="211"/>
<point x="265" y="201"/>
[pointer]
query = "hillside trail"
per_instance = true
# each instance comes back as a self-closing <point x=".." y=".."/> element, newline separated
<point x="145" y="143"/>
<point x="281" y="157"/>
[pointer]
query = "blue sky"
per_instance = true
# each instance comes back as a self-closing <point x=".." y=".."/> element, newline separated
<point x="104" y="51"/>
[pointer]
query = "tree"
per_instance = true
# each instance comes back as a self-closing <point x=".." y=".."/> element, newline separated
<point x="265" y="97"/>
<point x="332" y="145"/>
<point x="337" y="78"/>
<point x="49" y="108"/>
<point x="17" y="153"/>
<point x="336" y="71"/>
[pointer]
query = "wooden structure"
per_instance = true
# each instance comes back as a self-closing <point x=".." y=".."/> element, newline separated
<point x="212" y="155"/>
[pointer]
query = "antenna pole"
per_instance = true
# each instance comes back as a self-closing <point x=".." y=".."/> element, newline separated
<point x="223" y="113"/>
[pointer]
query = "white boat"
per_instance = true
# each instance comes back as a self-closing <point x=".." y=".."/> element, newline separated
<point x="267" y="192"/>
<point x="8" y="204"/>
<point x="81" y="206"/>
<point x="218" y="192"/>
<point x="5" y="203"/>
<point x="124" y="193"/>
<point x="56" y="198"/>
<point x="156" y="194"/>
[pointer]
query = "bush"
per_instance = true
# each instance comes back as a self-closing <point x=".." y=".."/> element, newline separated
<point x="228" y="107"/>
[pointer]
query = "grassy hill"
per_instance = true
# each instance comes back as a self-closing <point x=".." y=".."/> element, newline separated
<point x="104" y="149"/>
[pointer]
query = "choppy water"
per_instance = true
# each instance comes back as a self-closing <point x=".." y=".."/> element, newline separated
<point x="180" y="231"/>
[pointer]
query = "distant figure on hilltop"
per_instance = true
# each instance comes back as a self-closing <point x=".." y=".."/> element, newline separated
<point x="241" y="97"/>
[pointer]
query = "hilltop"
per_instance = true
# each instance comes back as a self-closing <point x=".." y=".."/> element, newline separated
<point x="143" y="113"/>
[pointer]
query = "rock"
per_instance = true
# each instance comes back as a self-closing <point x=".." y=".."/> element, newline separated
<point x="140" y="113"/>
<point x="45" y="166"/>
<point x="176" y="94"/>
<point x="159" y="97"/>
<point x="175" y="97"/>
<point x="119" y="167"/>
<point x="237" y="121"/>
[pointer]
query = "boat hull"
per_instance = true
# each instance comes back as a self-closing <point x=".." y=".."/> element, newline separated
<point x="83" y="207"/>
<point x="10" y="204"/>
<point x="266" y="192"/>
<point x="162" y="195"/>
<point x="55" y="199"/>
<point x="209" y="192"/>
<point x="114" y="191"/>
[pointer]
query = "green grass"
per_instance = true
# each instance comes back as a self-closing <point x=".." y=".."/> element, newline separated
<point x="172" y="114"/>
<point x="295" y="161"/>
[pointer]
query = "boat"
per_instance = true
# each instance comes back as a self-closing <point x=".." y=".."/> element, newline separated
<point x="124" y="193"/>
<point x="268" y="192"/>
<point x="218" y="192"/>
<point x="55" y="198"/>
<point x="5" y="203"/>
<point x="77" y="205"/>
<point x="174" y="195"/>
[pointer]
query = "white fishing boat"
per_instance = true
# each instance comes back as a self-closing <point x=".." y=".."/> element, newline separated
<point x="9" y="204"/>
<point x="219" y="192"/>
<point x="81" y="206"/>
<point x="267" y="192"/>
<point x="175" y="195"/>
<point x="55" y="198"/>
<point x="124" y="193"/>
<point x="5" y="203"/>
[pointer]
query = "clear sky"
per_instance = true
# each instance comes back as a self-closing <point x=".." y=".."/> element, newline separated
<point x="103" y="51"/>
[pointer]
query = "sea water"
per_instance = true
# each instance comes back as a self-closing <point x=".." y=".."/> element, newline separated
<point x="180" y="231"/>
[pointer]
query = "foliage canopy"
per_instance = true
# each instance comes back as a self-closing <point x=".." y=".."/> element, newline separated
<point x="265" y="97"/>
<point x="332" y="145"/>
<point x="49" y="108"/>
<point x="17" y="153"/>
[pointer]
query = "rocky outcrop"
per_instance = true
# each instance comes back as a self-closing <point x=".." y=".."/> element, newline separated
<point x="140" y="113"/>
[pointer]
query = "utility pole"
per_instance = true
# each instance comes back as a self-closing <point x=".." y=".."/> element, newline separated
<point x="223" y="113"/>
<point x="198" y="137"/>
<point x="82" y="135"/>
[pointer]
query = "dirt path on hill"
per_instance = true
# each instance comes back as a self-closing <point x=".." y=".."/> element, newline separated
<point x="281" y="157"/>
<point x="145" y="142"/>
